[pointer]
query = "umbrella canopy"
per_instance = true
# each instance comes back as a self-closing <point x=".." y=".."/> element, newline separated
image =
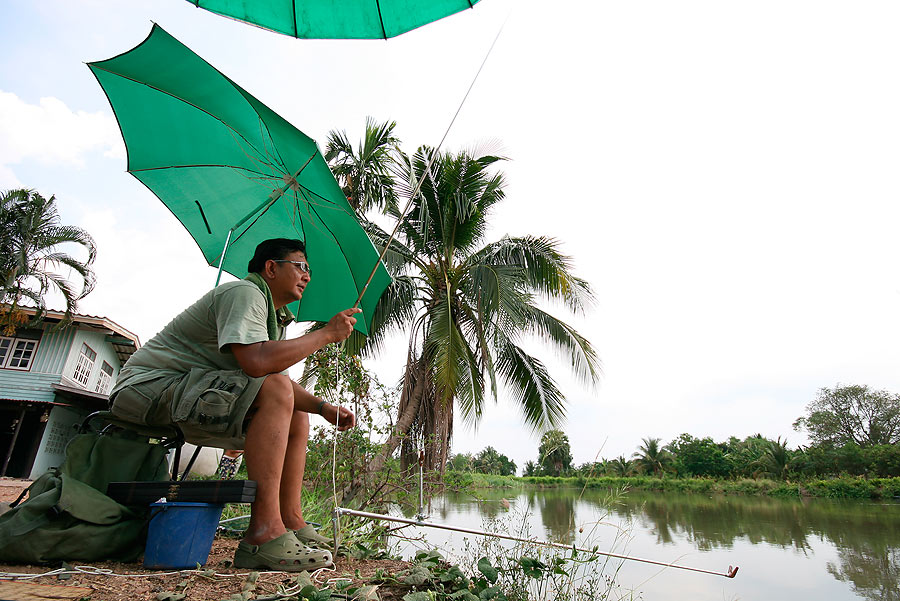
<point x="337" y="19"/>
<point x="230" y="169"/>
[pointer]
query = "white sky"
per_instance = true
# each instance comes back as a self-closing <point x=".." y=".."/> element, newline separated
<point x="724" y="174"/>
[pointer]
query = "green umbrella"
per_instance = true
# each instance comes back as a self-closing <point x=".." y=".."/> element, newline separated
<point x="337" y="19"/>
<point x="235" y="173"/>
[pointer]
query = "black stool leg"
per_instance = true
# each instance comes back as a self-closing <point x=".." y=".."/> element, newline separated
<point x="190" y="464"/>
<point x="176" y="461"/>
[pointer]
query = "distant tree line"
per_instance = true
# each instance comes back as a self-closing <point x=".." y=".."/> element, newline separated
<point x="853" y="430"/>
<point x="753" y="457"/>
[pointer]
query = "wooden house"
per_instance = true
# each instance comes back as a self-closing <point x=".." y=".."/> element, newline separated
<point x="50" y="379"/>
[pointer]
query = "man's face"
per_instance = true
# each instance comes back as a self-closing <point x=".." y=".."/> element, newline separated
<point x="289" y="278"/>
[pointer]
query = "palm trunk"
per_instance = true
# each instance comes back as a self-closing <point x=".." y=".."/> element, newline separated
<point x="440" y="429"/>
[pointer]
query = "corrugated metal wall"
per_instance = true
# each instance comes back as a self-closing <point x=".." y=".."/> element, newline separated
<point x="52" y="350"/>
<point x="27" y="386"/>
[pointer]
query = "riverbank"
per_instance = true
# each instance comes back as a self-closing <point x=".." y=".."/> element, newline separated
<point x="836" y="488"/>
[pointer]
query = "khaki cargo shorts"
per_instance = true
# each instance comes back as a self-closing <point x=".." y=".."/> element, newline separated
<point x="210" y="406"/>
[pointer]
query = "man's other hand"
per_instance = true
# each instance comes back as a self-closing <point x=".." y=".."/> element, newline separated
<point x="341" y="325"/>
<point x="347" y="419"/>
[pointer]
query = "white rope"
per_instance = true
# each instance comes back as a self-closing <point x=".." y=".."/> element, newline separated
<point x="337" y="421"/>
<point x="95" y="571"/>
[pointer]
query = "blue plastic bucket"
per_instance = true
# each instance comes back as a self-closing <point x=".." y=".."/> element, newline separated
<point x="180" y="534"/>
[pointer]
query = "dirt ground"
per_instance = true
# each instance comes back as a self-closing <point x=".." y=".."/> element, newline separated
<point x="109" y="581"/>
<point x="218" y="581"/>
<point x="10" y="488"/>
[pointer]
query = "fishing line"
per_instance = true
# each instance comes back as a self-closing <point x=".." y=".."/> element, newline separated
<point x="432" y="156"/>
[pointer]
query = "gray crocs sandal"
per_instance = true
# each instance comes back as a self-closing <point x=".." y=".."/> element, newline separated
<point x="285" y="553"/>
<point x="308" y="534"/>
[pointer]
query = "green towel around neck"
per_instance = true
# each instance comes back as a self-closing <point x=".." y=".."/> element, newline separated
<point x="282" y="316"/>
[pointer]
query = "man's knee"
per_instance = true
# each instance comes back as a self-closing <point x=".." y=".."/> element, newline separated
<point x="276" y="392"/>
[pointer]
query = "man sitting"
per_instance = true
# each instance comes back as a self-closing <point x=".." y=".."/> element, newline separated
<point x="219" y="372"/>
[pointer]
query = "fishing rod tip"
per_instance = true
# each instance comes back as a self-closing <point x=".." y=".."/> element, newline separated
<point x="732" y="571"/>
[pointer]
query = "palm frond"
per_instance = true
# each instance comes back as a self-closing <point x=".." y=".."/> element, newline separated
<point x="532" y="388"/>
<point x="583" y="358"/>
<point x="29" y="256"/>
<point x="545" y="269"/>
<point x="451" y="359"/>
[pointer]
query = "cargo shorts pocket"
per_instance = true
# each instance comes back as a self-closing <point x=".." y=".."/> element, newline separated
<point x="136" y="402"/>
<point x="209" y="399"/>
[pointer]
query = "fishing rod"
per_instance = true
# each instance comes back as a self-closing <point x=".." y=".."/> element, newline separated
<point x="335" y="519"/>
<point x="431" y="158"/>
<point x="339" y="511"/>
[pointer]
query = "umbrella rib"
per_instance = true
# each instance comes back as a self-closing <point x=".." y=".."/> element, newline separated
<point x="337" y="240"/>
<point x="327" y="201"/>
<point x="381" y="19"/>
<point x="277" y="155"/>
<point x="260" y="173"/>
<point x="227" y="126"/>
<point x="247" y="229"/>
<point x="302" y="229"/>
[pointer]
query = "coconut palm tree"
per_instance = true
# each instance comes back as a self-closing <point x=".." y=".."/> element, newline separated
<point x="30" y="260"/>
<point x="775" y="459"/>
<point x="619" y="466"/>
<point x="467" y="308"/>
<point x="365" y="172"/>
<point x="652" y="458"/>
<point x="554" y="453"/>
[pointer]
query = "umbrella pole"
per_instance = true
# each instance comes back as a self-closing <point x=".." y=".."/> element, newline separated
<point x="222" y="258"/>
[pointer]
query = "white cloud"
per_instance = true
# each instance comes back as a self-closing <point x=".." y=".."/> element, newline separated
<point x="52" y="134"/>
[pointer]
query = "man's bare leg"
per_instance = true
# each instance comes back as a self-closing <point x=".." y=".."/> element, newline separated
<point x="294" y="468"/>
<point x="264" y="453"/>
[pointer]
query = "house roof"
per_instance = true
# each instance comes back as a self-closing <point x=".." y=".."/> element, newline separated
<point x="123" y="341"/>
<point x="94" y="400"/>
<point x="79" y="396"/>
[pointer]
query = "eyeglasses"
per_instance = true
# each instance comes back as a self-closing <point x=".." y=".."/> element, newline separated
<point x="301" y="265"/>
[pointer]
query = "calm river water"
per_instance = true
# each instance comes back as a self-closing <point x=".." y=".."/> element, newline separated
<point x="786" y="549"/>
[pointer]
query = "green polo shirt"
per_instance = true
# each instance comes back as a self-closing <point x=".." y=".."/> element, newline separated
<point x="233" y="313"/>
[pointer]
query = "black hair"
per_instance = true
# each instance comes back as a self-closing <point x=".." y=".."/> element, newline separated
<point x="274" y="248"/>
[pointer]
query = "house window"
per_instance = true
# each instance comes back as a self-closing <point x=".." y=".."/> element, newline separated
<point x="17" y="353"/>
<point x="5" y="345"/>
<point x="105" y="377"/>
<point x="85" y="364"/>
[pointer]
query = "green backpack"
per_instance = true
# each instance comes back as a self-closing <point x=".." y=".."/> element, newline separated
<point x="68" y="516"/>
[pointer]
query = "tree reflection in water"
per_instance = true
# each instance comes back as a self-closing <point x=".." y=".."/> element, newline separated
<point x="866" y="536"/>
<point x="872" y="569"/>
<point x="557" y="514"/>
